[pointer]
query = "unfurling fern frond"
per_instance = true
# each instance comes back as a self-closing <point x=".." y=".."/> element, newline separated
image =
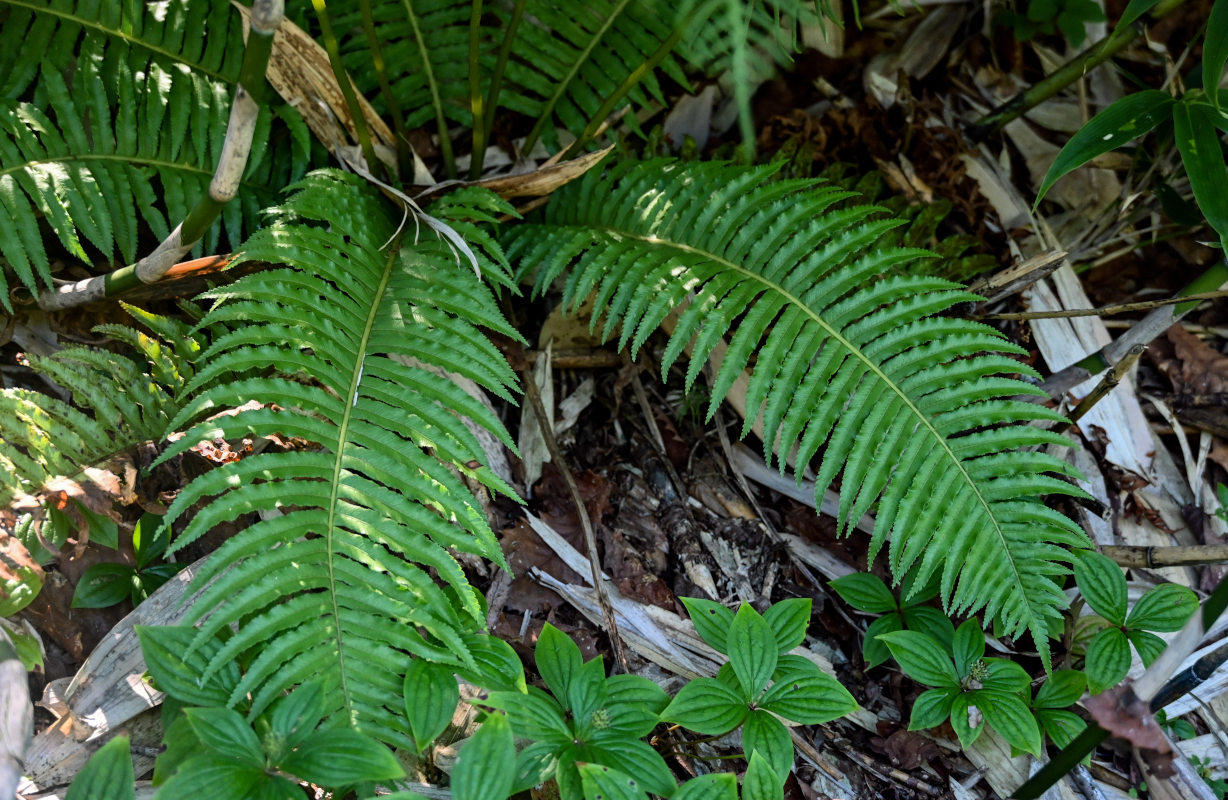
<point x="351" y="568"/>
<point x="117" y="121"/>
<point x="912" y="410"/>
<point x="44" y="438"/>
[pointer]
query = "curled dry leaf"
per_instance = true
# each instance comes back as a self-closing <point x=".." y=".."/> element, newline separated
<point x="1197" y="367"/>
<point x="1120" y="712"/>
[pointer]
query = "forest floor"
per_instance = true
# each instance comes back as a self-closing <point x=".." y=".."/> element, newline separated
<point x="681" y="508"/>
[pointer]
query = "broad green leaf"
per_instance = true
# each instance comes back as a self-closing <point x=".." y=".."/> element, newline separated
<point x="224" y="778"/>
<point x="764" y="734"/>
<point x="149" y="539"/>
<point x="431" y="695"/>
<point x="932" y="621"/>
<point x="1127" y="119"/>
<point x="1103" y="586"/>
<point x="342" y="756"/>
<point x="1195" y="134"/>
<point x="226" y="731"/>
<point x="150" y="579"/>
<point x="713" y="786"/>
<point x="1010" y="717"/>
<point x="172" y="662"/>
<point x="103" y="585"/>
<point x="873" y="649"/>
<point x="1062" y="690"/>
<point x="761" y="781"/>
<point x="1006" y="676"/>
<point x="533" y="714"/>
<point x="752" y="650"/>
<point x="1060" y="726"/>
<point x="810" y="698"/>
<point x="1164" y="608"/>
<point x="587" y="690"/>
<point x="865" y="592"/>
<point x="1215" y="49"/>
<point x="931" y="708"/>
<point x="922" y="658"/>
<point x="788" y="620"/>
<point x="966" y="718"/>
<point x="968" y="646"/>
<point x="707" y="706"/>
<point x="21" y="579"/>
<point x="1148" y="645"/>
<point x="103" y="529"/>
<point x="634" y="757"/>
<point x="558" y="659"/>
<point x="1108" y="660"/>
<point x="534" y="764"/>
<point x="293" y="717"/>
<point x="179" y="743"/>
<point x="108" y="774"/>
<point x="496" y="665"/>
<point x="711" y="621"/>
<point x="606" y="783"/>
<point x="634" y="704"/>
<point x="1136" y="9"/>
<point x="486" y="767"/>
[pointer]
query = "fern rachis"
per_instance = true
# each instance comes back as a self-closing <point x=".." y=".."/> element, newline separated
<point x="912" y="410"/>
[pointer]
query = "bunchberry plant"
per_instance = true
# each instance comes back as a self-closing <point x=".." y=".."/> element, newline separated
<point x="968" y="689"/>
<point x="1164" y="608"/>
<point x="868" y="593"/>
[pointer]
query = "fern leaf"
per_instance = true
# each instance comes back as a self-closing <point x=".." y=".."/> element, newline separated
<point x="913" y="411"/>
<point x="352" y="567"/>
<point x="129" y="101"/>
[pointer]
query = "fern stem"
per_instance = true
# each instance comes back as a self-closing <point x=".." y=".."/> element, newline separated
<point x="266" y="17"/>
<point x="347" y="88"/>
<point x="482" y="129"/>
<point x="560" y="91"/>
<point x="441" y="122"/>
<point x="404" y="158"/>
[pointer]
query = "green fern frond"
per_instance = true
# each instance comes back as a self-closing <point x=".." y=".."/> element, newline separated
<point x="130" y="400"/>
<point x="913" y="411"/>
<point x="352" y="566"/>
<point x="118" y="127"/>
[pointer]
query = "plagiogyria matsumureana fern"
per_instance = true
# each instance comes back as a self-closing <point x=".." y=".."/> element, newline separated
<point x="113" y="115"/>
<point x="351" y="568"/>
<point x="913" y="410"/>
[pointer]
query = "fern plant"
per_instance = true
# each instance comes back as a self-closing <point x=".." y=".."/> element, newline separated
<point x="913" y="411"/>
<point x="112" y="116"/>
<point x="352" y="565"/>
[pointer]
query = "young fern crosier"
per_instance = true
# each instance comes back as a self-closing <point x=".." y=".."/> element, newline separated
<point x="349" y="571"/>
<point x="914" y="410"/>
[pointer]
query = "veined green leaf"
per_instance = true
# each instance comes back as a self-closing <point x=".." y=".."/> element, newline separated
<point x="485" y="769"/>
<point x="1102" y="585"/>
<point x="764" y="734"/>
<point x="865" y="592"/>
<point x="1165" y="608"/>
<point x="108" y="774"/>
<point x="1215" y="50"/>
<point x="922" y="658"/>
<point x="1194" y="130"/>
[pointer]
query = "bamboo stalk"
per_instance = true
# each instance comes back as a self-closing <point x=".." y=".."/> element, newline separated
<point x="252" y="91"/>
<point x="1143" y="557"/>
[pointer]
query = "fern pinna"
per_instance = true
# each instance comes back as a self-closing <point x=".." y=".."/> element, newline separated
<point x="913" y="410"/>
<point x="351" y="569"/>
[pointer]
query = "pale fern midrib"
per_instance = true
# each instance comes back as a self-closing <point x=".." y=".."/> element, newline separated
<point x="94" y="26"/>
<point x="136" y="161"/>
<point x="343" y="427"/>
<point x="857" y="353"/>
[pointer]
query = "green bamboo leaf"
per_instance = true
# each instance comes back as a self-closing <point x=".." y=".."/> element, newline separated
<point x="1123" y="121"/>
<point x="1165" y="608"/>
<point x="431" y="695"/>
<point x="865" y="592"/>
<point x="1103" y="586"/>
<point x="1215" y="49"/>
<point x="486" y="767"/>
<point x="765" y="735"/>
<point x="1108" y="660"/>
<point x="752" y="650"/>
<point x="707" y="706"/>
<point x="711" y="621"/>
<point x="107" y="774"/>
<point x="922" y="658"/>
<point x="1136" y="9"/>
<point x="1195" y="133"/>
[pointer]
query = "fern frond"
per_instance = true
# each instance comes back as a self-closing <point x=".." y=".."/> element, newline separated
<point x="351" y="568"/>
<point x="119" y="126"/>
<point x="912" y="411"/>
<point x="130" y="400"/>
